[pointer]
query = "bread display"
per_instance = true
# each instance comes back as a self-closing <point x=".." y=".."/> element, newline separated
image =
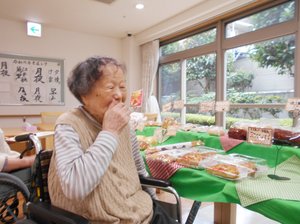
<point x="168" y="121"/>
<point x="224" y="170"/>
<point x="216" y="130"/>
<point x="162" y="157"/>
<point x="295" y="139"/>
<point x="237" y="133"/>
<point x="281" y="134"/>
<point x="251" y="166"/>
<point x="191" y="159"/>
<point x="286" y="137"/>
<point x="146" y="142"/>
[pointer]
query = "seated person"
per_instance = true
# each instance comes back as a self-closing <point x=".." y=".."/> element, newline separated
<point x="10" y="160"/>
<point x="95" y="168"/>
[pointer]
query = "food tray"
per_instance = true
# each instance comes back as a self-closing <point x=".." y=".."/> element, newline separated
<point x="256" y="166"/>
<point x="235" y="166"/>
<point x="180" y="145"/>
<point x="187" y="157"/>
<point x="224" y="167"/>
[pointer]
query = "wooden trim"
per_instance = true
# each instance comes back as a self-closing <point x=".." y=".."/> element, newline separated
<point x="193" y="52"/>
<point x="230" y="14"/>
<point x="18" y="115"/>
<point x="272" y="32"/>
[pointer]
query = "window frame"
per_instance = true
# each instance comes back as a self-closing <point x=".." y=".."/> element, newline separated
<point x="222" y="44"/>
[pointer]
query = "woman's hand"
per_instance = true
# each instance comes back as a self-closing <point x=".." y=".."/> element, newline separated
<point x="116" y="117"/>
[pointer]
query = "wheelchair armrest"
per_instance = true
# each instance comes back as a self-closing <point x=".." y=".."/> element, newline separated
<point x="45" y="213"/>
<point x="154" y="182"/>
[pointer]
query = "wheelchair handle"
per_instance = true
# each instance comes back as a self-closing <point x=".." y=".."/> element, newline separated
<point x="21" y="138"/>
<point x="34" y="142"/>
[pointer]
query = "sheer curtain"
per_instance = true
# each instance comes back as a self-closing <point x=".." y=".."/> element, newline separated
<point x="150" y="58"/>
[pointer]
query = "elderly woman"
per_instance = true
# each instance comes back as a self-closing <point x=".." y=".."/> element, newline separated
<point x="96" y="162"/>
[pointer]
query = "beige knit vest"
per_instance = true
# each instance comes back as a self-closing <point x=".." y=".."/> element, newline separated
<point x="119" y="197"/>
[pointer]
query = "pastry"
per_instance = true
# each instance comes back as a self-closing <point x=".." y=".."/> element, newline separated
<point x="216" y="131"/>
<point x="281" y="134"/>
<point x="208" y="154"/>
<point x="251" y="167"/>
<point x="295" y="139"/>
<point x="224" y="170"/>
<point x="237" y="133"/>
<point x="191" y="159"/>
<point x="162" y="157"/>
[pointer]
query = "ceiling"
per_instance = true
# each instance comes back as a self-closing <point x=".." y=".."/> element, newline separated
<point x="116" y="19"/>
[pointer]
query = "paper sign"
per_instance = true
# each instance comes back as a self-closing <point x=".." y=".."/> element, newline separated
<point x="293" y="104"/>
<point x="260" y="135"/>
<point x="222" y="106"/>
<point x="179" y="104"/>
<point x="206" y="106"/>
<point x="167" y="107"/>
<point x="136" y="98"/>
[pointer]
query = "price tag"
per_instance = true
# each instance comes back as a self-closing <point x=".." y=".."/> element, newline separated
<point x="206" y="106"/>
<point x="222" y="106"/>
<point x="179" y="104"/>
<point x="293" y="104"/>
<point x="260" y="135"/>
<point x="167" y="107"/>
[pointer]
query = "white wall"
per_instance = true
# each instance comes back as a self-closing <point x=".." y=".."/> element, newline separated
<point x="54" y="43"/>
<point x="132" y="59"/>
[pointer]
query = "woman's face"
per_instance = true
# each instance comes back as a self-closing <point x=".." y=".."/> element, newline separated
<point x="111" y="86"/>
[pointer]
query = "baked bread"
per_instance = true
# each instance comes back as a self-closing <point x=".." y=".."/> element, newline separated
<point x="237" y="133"/>
<point x="208" y="154"/>
<point x="295" y="139"/>
<point x="143" y="145"/>
<point x="281" y="134"/>
<point x="191" y="159"/>
<point x="251" y="167"/>
<point x="224" y="170"/>
<point x="162" y="157"/>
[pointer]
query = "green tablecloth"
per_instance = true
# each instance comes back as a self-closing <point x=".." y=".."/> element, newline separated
<point x="198" y="185"/>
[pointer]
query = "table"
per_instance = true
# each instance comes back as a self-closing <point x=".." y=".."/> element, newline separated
<point x="198" y="185"/>
<point x="46" y="138"/>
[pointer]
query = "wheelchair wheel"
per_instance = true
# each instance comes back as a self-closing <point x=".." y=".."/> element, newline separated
<point x="14" y="195"/>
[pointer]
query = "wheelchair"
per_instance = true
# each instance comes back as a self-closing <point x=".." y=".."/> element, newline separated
<point x="20" y="194"/>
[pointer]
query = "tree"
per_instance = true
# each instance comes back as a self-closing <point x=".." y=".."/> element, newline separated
<point x="277" y="53"/>
<point x="203" y="70"/>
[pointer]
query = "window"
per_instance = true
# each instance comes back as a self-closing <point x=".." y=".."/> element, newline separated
<point x="257" y="52"/>
<point x="189" y="42"/>
<point x="170" y="86"/>
<point x="268" y="17"/>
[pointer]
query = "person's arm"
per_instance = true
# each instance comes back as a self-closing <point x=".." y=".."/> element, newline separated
<point x="80" y="172"/>
<point x="12" y="163"/>
<point x="139" y="162"/>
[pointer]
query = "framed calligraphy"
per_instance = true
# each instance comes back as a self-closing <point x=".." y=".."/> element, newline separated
<point x="26" y="80"/>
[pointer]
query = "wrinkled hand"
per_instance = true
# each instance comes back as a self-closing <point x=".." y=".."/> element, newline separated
<point x="116" y="117"/>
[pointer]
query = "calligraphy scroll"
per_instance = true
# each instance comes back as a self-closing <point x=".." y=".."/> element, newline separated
<point x="28" y="80"/>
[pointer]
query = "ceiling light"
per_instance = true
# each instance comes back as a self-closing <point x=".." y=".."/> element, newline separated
<point x="139" y="5"/>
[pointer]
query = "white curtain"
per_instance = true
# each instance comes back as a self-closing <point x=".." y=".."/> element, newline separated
<point x="150" y="58"/>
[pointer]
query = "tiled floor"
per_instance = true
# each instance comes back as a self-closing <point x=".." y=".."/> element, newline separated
<point x="206" y="212"/>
